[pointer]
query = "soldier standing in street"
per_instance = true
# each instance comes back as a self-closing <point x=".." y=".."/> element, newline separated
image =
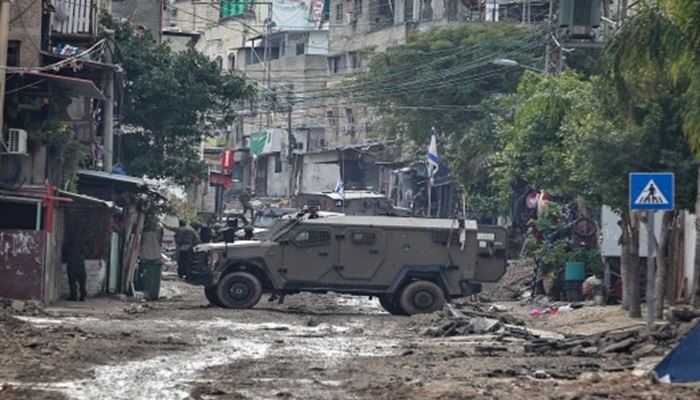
<point x="245" y="198"/>
<point x="74" y="254"/>
<point x="185" y="240"/>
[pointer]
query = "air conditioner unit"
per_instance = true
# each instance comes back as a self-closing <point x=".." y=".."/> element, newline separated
<point x="15" y="142"/>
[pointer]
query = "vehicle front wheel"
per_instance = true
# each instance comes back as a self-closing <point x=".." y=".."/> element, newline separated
<point x="391" y="305"/>
<point x="422" y="297"/>
<point x="212" y="297"/>
<point x="239" y="290"/>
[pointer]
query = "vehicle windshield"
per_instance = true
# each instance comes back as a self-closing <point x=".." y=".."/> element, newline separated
<point x="265" y="221"/>
<point x="280" y="227"/>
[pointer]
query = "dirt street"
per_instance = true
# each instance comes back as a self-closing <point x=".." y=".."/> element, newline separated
<point x="310" y="347"/>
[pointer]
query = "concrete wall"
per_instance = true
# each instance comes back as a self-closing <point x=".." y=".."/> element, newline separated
<point x="26" y="27"/>
<point x="191" y="16"/>
<point x="141" y="12"/>
<point x="96" y="274"/>
<point x="318" y="177"/>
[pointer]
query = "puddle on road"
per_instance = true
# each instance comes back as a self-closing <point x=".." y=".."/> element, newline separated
<point x="171" y="376"/>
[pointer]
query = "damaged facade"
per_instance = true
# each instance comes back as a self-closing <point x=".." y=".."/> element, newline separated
<point x="53" y="127"/>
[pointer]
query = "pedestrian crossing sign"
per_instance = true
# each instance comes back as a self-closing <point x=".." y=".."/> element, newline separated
<point x="651" y="191"/>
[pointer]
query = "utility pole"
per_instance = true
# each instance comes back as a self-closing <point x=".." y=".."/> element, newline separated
<point x="553" y="56"/>
<point x="267" y="58"/>
<point x="108" y="116"/>
<point x="4" y="34"/>
<point x="291" y="141"/>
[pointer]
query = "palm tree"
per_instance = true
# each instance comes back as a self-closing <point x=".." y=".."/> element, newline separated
<point x="657" y="48"/>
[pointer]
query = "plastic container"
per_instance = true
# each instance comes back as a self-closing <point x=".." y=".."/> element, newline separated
<point x="148" y="279"/>
<point x="575" y="271"/>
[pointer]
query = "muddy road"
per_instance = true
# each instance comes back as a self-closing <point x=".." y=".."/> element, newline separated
<point x="310" y="347"/>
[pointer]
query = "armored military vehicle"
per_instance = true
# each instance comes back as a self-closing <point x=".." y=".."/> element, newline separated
<point x="413" y="265"/>
<point x="352" y="202"/>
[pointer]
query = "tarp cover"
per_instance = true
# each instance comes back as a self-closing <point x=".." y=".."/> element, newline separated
<point x="682" y="364"/>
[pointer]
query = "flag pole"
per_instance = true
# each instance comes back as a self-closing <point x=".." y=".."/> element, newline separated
<point x="430" y="192"/>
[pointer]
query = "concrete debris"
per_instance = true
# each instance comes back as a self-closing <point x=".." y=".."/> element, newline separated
<point x="464" y="322"/>
<point x="22" y="307"/>
<point x="634" y="342"/>
<point x="136" y="308"/>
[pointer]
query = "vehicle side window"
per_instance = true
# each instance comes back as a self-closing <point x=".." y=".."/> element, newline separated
<point x="339" y="203"/>
<point x="312" y="237"/>
<point x="444" y="236"/>
<point x="363" y="237"/>
<point x="383" y="204"/>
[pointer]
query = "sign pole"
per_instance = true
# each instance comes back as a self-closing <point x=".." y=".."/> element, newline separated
<point x="651" y="242"/>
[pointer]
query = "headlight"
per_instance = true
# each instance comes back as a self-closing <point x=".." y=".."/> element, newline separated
<point x="214" y="258"/>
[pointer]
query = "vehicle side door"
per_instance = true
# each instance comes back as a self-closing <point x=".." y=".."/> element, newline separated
<point x="309" y="253"/>
<point x="362" y="251"/>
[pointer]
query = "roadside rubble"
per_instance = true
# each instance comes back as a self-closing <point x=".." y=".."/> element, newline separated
<point x="476" y="321"/>
<point x="516" y="281"/>
<point x="22" y="307"/>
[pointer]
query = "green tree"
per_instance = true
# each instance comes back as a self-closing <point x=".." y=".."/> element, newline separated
<point x="171" y="102"/>
<point x="438" y="76"/>
<point x="656" y="50"/>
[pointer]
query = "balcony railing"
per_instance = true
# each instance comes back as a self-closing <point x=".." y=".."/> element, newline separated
<point x="75" y="17"/>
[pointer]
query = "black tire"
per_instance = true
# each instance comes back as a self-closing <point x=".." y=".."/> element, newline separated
<point x="391" y="305"/>
<point x="210" y="294"/>
<point x="239" y="290"/>
<point x="422" y="297"/>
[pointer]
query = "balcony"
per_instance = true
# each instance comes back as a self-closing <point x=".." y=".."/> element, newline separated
<point x="75" y="19"/>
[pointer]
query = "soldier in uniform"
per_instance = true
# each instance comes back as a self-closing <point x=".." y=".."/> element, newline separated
<point x="185" y="240"/>
<point x="245" y="198"/>
<point x="74" y="254"/>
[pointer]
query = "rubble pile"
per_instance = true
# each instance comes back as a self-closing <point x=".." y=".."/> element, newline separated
<point x="22" y="307"/>
<point x="636" y="342"/>
<point x="477" y="320"/>
<point x="516" y="281"/>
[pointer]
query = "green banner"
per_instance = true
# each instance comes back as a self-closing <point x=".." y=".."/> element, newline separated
<point x="258" y="141"/>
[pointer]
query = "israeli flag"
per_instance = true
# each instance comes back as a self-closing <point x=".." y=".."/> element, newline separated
<point x="433" y="165"/>
<point x="340" y="188"/>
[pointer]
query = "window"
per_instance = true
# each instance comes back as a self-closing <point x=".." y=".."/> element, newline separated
<point x="349" y="116"/>
<point x="231" y="62"/>
<point x="278" y="163"/>
<point x="358" y="7"/>
<point x="354" y="60"/>
<point x="219" y="61"/>
<point x="13" y="53"/>
<point x="363" y="237"/>
<point x="339" y="13"/>
<point x="334" y="65"/>
<point x="301" y="49"/>
<point x="331" y="118"/>
<point x="312" y="237"/>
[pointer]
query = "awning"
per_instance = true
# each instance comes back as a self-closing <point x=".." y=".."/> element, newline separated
<point x="81" y="87"/>
<point x="89" y="199"/>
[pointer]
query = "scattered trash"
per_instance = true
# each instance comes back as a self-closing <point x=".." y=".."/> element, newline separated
<point x="555" y="309"/>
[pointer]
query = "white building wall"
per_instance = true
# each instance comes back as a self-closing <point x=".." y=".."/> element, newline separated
<point x="318" y="177"/>
<point x="611" y="234"/>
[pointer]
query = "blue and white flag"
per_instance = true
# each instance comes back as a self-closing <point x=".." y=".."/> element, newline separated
<point x="433" y="165"/>
<point x="340" y="188"/>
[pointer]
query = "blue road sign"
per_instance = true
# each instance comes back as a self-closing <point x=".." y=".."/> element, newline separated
<point x="651" y="191"/>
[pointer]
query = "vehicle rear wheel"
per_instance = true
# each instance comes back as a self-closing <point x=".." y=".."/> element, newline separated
<point x="422" y="297"/>
<point x="210" y="294"/>
<point x="391" y="305"/>
<point x="239" y="290"/>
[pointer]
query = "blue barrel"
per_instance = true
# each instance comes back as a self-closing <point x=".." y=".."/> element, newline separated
<point x="575" y="271"/>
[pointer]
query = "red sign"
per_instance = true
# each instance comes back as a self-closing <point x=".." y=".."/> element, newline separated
<point x="227" y="159"/>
